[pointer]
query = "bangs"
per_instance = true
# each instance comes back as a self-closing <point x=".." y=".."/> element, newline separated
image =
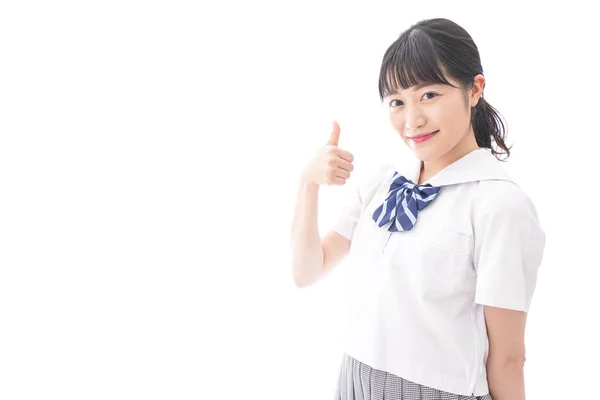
<point x="409" y="61"/>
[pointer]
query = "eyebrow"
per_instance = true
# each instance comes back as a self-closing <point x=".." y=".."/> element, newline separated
<point x="414" y="88"/>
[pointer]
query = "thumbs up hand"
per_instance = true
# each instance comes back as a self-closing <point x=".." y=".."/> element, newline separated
<point x="334" y="138"/>
<point x="331" y="165"/>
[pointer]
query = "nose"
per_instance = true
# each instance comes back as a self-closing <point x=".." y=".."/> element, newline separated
<point x="414" y="119"/>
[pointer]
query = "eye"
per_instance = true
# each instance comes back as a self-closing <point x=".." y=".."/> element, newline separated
<point x="399" y="103"/>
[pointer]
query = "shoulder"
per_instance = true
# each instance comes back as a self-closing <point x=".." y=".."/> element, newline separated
<point x="503" y="199"/>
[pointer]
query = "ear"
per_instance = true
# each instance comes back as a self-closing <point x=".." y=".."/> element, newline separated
<point x="477" y="89"/>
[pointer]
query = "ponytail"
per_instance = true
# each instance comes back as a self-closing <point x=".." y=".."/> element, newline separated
<point x="487" y="125"/>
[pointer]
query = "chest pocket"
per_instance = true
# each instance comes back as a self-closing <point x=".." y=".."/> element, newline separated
<point x="438" y="262"/>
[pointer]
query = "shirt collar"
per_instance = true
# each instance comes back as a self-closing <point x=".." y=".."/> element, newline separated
<point x="478" y="165"/>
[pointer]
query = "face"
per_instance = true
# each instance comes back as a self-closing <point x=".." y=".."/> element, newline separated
<point x="438" y="108"/>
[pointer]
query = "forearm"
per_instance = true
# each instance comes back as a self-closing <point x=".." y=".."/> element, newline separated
<point x="307" y="251"/>
<point x="506" y="380"/>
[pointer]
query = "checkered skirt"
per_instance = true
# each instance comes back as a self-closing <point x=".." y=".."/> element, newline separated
<point x="358" y="381"/>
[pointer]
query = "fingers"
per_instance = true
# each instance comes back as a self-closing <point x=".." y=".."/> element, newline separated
<point x="338" y="181"/>
<point x="345" y="165"/>
<point x="339" y="162"/>
<point x="345" y="155"/>
<point x="342" y="173"/>
<point x="339" y="168"/>
<point x="334" y="138"/>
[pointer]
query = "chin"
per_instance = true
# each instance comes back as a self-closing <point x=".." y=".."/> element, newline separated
<point x="426" y="154"/>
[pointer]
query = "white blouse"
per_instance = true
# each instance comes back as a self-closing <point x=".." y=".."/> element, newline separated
<point x="416" y="298"/>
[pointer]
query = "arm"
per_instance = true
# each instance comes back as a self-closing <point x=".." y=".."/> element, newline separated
<point x="509" y="244"/>
<point x="312" y="257"/>
<point x="307" y="253"/>
<point x="506" y="334"/>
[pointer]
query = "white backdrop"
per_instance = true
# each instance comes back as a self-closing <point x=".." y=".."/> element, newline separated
<point x="149" y="159"/>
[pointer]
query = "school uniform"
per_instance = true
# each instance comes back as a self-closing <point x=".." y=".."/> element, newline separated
<point x="416" y="291"/>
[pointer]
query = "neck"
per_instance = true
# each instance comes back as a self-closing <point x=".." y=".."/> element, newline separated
<point x="466" y="145"/>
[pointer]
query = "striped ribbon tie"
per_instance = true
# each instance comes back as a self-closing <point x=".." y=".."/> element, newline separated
<point x="402" y="205"/>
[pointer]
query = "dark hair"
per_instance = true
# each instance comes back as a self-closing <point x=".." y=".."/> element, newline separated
<point x="429" y="51"/>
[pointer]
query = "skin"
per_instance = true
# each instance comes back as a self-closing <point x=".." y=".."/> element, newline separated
<point x="419" y="110"/>
<point x="436" y="107"/>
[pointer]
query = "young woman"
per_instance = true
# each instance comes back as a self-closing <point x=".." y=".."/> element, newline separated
<point x="443" y="259"/>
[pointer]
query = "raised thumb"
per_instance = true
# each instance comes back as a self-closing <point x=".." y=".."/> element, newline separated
<point x="334" y="138"/>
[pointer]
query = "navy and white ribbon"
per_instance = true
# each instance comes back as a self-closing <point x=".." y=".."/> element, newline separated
<point x="402" y="205"/>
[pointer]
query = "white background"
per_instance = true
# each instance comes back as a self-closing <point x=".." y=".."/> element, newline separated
<point x="149" y="159"/>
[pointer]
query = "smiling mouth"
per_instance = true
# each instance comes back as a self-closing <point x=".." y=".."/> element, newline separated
<point x="423" y="137"/>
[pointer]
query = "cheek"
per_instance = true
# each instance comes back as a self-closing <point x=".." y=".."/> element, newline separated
<point x="397" y="121"/>
<point x="441" y="115"/>
<point x="451" y="117"/>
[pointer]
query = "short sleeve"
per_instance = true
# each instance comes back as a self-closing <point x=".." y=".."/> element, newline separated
<point x="509" y="245"/>
<point x="359" y="197"/>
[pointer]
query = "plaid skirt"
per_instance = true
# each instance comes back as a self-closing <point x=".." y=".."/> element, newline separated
<point x="358" y="381"/>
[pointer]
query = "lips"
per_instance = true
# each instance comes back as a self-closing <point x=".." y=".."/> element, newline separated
<point x="422" y="135"/>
